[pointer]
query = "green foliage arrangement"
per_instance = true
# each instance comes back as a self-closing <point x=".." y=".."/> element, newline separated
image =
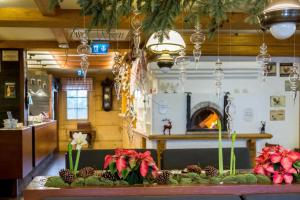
<point x="160" y="15"/>
<point x="175" y="179"/>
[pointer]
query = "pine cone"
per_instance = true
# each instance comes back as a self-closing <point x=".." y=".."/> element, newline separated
<point x="67" y="175"/>
<point x="211" y="171"/>
<point x="109" y="176"/>
<point x="163" y="177"/>
<point x="194" y="168"/>
<point x="86" y="172"/>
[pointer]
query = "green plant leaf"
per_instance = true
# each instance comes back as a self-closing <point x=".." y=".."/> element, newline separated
<point x="125" y="173"/>
<point x="113" y="167"/>
<point x="132" y="163"/>
<point x="297" y="164"/>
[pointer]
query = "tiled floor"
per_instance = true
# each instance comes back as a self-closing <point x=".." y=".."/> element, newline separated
<point x="52" y="170"/>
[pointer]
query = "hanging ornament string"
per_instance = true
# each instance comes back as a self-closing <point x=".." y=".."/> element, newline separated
<point x="84" y="50"/>
<point x="197" y="38"/>
<point x="294" y="75"/>
<point x="117" y="68"/>
<point x="182" y="60"/>
<point x="218" y="73"/>
<point x="264" y="58"/>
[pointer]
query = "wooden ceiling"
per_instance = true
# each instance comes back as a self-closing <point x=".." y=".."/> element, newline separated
<point x="244" y="39"/>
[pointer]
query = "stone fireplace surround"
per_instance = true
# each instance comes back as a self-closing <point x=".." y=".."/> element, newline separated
<point x="200" y="111"/>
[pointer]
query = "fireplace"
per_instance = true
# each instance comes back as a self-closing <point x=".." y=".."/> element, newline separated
<point x="203" y="117"/>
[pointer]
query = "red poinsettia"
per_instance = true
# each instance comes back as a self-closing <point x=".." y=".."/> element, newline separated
<point x="131" y="165"/>
<point x="277" y="162"/>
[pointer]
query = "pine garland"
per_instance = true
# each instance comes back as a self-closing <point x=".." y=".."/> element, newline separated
<point x="160" y="15"/>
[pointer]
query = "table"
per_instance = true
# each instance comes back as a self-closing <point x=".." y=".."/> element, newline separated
<point x="249" y="137"/>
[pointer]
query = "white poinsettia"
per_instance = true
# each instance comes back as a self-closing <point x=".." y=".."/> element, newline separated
<point x="79" y="140"/>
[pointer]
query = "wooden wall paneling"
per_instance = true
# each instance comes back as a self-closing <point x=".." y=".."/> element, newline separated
<point x="13" y="71"/>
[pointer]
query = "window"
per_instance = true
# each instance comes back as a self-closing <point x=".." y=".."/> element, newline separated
<point x="77" y="104"/>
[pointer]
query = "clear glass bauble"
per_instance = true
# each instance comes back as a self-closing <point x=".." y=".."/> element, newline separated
<point x="198" y="37"/>
<point x="84" y="49"/>
<point x="182" y="60"/>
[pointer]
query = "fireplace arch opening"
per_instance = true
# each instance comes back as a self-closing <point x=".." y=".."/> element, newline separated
<point x="205" y="119"/>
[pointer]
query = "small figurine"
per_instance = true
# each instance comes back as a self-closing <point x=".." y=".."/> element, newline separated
<point x="263" y="127"/>
<point x="167" y="126"/>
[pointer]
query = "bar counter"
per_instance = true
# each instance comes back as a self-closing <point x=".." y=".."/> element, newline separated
<point x="22" y="150"/>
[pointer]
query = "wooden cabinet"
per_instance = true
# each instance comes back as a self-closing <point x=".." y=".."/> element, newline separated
<point x="16" y="153"/>
<point x="44" y="141"/>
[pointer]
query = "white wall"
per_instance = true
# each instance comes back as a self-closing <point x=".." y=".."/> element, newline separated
<point x="248" y="94"/>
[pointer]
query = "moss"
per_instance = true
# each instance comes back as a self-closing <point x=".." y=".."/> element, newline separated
<point x="262" y="179"/>
<point x="78" y="182"/>
<point x="122" y="182"/>
<point x="185" y="181"/>
<point x="92" y="181"/>
<point x="250" y="178"/>
<point x="215" y="180"/>
<point x="230" y="180"/>
<point x="56" y="181"/>
<point x="193" y="175"/>
<point x="201" y="181"/>
<point x="173" y="181"/>
<point x="241" y="178"/>
<point x="107" y="182"/>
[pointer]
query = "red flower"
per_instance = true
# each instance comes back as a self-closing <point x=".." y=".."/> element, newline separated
<point x="121" y="164"/>
<point x="277" y="156"/>
<point x="107" y="160"/>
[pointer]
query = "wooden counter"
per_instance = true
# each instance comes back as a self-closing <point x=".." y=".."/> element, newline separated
<point x="15" y="157"/>
<point x="44" y="141"/>
<point x="37" y="191"/>
<point x="249" y="137"/>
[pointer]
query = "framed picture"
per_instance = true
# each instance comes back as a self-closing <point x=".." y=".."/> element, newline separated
<point x="277" y="115"/>
<point x="288" y="86"/>
<point x="277" y="101"/>
<point x="10" y="55"/>
<point x="10" y="90"/>
<point x="272" y="69"/>
<point x="285" y="69"/>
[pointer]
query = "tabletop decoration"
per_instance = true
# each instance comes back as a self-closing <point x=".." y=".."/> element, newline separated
<point x="131" y="166"/>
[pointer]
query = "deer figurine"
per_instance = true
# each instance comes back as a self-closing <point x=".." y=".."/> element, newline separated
<point x="167" y="126"/>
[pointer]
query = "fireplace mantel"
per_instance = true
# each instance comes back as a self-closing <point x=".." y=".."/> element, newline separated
<point x="249" y="137"/>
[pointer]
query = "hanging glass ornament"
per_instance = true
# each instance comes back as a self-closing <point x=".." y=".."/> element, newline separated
<point x="230" y="111"/>
<point x="117" y="72"/>
<point x="263" y="59"/>
<point x="136" y="25"/>
<point x="182" y="62"/>
<point x="294" y="79"/>
<point x="83" y="51"/>
<point x="197" y="39"/>
<point x="219" y="76"/>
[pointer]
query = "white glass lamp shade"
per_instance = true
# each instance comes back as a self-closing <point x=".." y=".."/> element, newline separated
<point x="171" y="44"/>
<point x="283" y="30"/>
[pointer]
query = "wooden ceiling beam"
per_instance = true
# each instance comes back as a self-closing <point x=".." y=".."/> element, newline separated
<point x="59" y="33"/>
<point x="71" y="18"/>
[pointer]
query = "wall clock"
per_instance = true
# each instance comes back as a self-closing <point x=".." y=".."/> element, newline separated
<point x="107" y="97"/>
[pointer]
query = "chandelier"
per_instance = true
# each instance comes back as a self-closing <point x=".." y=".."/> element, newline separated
<point x="281" y="17"/>
<point x="117" y="70"/>
<point x="165" y="44"/>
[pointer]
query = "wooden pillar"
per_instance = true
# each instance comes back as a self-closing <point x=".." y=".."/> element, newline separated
<point x="251" y="144"/>
<point x="161" y="146"/>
